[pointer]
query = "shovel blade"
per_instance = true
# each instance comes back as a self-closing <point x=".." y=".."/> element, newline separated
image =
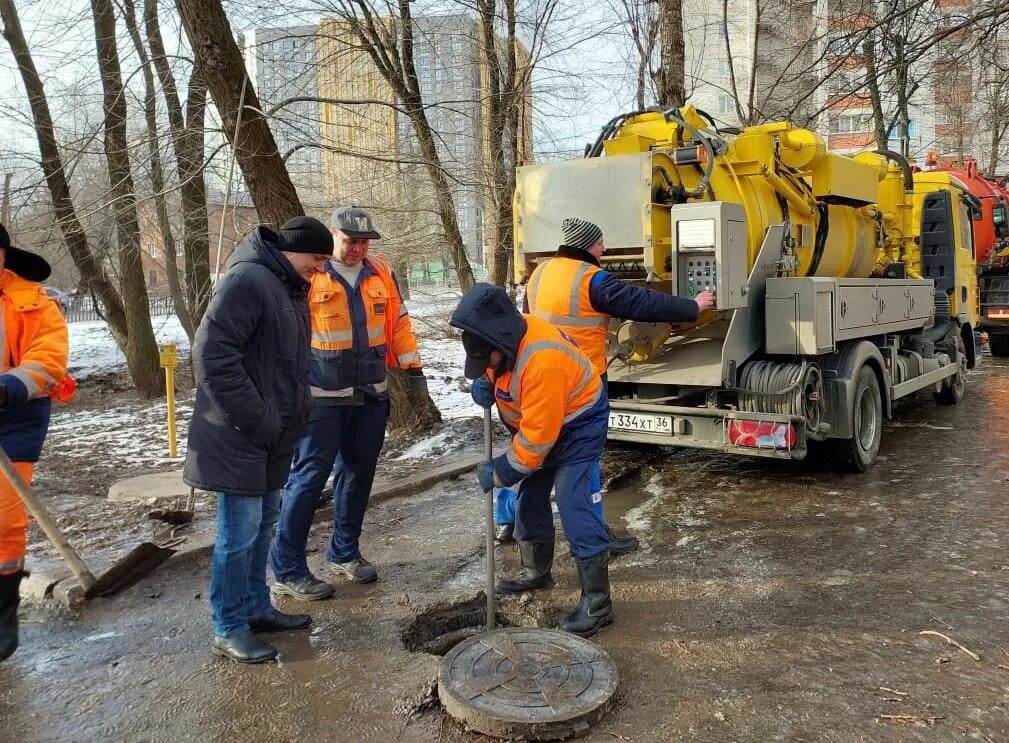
<point x="127" y="571"/>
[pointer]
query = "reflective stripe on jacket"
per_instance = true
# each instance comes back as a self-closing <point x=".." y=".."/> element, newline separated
<point x="358" y="332"/>
<point x="558" y="292"/>
<point x="551" y="391"/>
<point x="34" y="347"/>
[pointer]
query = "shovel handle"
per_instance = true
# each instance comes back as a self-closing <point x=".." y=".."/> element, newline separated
<point x="41" y="514"/>
<point x="488" y="450"/>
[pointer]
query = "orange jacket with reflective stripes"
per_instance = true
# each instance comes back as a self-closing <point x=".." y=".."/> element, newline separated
<point x="558" y="292"/>
<point x="552" y="388"/>
<point x="358" y="333"/>
<point x="33" y="365"/>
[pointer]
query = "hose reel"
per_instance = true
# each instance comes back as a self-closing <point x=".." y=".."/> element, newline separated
<point x="794" y="389"/>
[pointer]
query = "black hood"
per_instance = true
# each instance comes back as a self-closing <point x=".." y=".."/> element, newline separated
<point x="487" y="312"/>
<point x="263" y="246"/>
<point x="566" y="251"/>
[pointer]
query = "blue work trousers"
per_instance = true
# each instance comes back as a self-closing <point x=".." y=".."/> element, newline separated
<point x="504" y="500"/>
<point x="238" y="589"/>
<point x="582" y="520"/>
<point x="345" y="440"/>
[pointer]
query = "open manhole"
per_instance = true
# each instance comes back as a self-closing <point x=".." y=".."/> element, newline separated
<point x="527" y="683"/>
<point x="440" y="628"/>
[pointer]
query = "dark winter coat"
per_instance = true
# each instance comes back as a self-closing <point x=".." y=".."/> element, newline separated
<point x="251" y="366"/>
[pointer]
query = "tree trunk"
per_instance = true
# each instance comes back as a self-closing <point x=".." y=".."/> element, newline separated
<point x="403" y="417"/>
<point x="158" y="176"/>
<point x="93" y="276"/>
<point x="875" y="99"/>
<point x="672" y="82"/>
<point x="220" y="62"/>
<point x="187" y="141"/>
<point x="141" y="348"/>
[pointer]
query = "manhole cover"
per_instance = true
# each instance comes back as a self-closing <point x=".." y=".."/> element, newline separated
<point x="524" y="682"/>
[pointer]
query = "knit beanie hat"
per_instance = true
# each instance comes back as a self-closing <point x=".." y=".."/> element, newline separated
<point x="306" y="235"/>
<point x="579" y="233"/>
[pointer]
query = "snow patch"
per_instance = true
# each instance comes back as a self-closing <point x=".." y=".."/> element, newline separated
<point x="94" y="352"/>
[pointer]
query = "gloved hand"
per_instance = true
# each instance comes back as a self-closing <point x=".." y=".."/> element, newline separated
<point x="485" y="473"/>
<point x="482" y="391"/>
<point x="417" y="394"/>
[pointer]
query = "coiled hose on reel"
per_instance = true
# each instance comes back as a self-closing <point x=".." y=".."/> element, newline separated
<point x="794" y="389"/>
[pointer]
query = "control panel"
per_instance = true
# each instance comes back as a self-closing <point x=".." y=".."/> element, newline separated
<point x="710" y="242"/>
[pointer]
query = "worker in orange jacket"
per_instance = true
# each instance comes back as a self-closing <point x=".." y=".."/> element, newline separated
<point x="552" y="401"/>
<point x="33" y="367"/>
<point x="360" y="329"/>
<point x="574" y="292"/>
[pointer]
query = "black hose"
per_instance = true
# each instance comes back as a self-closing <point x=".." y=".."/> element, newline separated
<point x="609" y="128"/>
<point x="705" y="115"/>
<point x="904" y="166"/>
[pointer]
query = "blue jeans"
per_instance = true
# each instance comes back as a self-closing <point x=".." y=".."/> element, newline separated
<point x="238" y="589"/>
<point x="582" y="520"/>
<point x="345" y="440"/>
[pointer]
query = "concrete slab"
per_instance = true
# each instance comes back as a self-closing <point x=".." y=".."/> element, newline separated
<point x="144" y="487"/>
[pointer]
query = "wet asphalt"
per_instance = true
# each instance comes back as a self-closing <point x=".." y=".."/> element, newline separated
<point x="769" y="601"/>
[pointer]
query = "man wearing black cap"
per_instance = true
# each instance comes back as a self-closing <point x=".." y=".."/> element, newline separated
<point x="251" y="365"/>
<point x="33" y="364"/>
<point x="360" y="329"/>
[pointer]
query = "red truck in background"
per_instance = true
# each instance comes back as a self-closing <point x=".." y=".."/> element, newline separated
<point x="991" y="245"/>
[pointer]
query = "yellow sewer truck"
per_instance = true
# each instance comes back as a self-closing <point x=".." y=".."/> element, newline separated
<point x="843" y="283"/>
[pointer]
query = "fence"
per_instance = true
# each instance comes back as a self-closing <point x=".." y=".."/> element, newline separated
<point x="84" y="308"/>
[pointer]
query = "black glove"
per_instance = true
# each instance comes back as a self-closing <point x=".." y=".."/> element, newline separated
<point x="3" y="396"/>
<point x="418" y="394"/>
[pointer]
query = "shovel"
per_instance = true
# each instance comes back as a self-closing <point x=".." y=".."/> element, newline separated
<point x="488" y="451"/>
<point x="139" y="562"/>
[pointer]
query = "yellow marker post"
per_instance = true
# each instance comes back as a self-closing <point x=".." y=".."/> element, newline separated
<point x="170" y="360"/>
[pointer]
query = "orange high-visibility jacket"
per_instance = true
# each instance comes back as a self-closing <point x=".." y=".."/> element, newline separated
<point x="551" y="387"/>
<point x="558" y="292"/>
<point x="34" y="349"/>
<point x="357" y="335"/>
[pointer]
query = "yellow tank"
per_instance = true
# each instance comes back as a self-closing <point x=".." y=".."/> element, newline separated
<point x="773" y="171"/>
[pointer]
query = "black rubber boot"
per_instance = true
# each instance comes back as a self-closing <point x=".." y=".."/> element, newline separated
<point x="537" y="559"/>
<point x="10" y="597"/>
<point x="595" y="610"/>
<point x="621" y="545"/>
<point x="504" y="534"/>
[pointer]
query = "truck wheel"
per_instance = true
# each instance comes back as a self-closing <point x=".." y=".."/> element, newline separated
<point x="954" y="388"/>
<point x="998" y="344"/>
<point x="866" y="422"/>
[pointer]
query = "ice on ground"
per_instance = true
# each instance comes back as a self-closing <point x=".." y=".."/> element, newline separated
<point x="94" y="352"/>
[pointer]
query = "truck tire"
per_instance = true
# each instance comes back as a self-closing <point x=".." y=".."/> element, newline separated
<point x="998" y="343"/>
<point x="866" y="423"/>
<point x="954" y="388"/>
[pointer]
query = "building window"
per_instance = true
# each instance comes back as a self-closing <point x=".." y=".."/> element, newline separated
<point x="723" y="69"/>
<point x="726" y="104"/>
<point x="851" y="123"/>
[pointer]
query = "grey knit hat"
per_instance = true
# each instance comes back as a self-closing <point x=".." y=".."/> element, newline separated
<point x="579" y="233"/>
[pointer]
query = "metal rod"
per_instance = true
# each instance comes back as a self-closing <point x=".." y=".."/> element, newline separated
<point x="488" y="450"/>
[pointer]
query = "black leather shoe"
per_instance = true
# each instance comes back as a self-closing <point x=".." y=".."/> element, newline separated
<point x="621" y="545"/>
<point x="244" y="647"/>
<point x="595" y="610"/>
<point x="10" y="598"/>
<point x="505" y="534"/>
<point x="278" y="621"/>
<point x="537" y="558"/>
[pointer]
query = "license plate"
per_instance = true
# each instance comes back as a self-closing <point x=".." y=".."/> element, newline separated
<point x="642" y="423"/>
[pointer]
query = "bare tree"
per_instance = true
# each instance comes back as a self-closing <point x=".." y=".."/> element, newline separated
<point x="387" y="35"/>
<point x="221" y="65"/>
<point x="672" y="87"/>
<point x="178" y="294"/>
<point x="641" y="18"/>
<point x="187" y="132"/>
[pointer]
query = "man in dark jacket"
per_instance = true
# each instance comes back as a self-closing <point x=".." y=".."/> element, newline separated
<point x="252" y="399"/>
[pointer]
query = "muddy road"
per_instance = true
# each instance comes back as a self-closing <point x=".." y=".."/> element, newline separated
<point x="768" y="602"/>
